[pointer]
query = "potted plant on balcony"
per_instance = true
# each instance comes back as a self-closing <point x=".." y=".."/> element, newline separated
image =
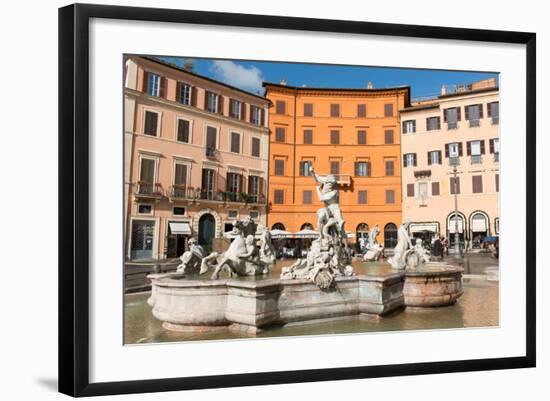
<point x="245" y="197"/>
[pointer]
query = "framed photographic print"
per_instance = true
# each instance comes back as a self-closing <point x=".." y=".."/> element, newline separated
<point x="256" y="199"/>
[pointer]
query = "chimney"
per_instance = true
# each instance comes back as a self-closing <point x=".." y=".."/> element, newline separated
<point x="443" y="90"/>
<point x="282" y="82"/>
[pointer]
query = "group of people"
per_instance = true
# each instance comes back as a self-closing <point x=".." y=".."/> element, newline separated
<point x="440" y="246"/>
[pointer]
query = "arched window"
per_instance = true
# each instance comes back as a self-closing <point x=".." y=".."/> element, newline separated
<point x="278" y="226"/>
<point x="390" y="235"/>
<point x="362" y="231"/>
<point x="307" y="226"/>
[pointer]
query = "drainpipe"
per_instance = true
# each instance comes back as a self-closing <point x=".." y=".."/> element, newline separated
<point x="294" y="156"/>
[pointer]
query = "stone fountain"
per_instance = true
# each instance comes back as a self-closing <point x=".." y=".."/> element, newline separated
<point x="243" y="295"/>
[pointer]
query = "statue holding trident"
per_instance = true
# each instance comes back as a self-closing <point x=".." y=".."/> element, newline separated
<point x="331" y="215"/>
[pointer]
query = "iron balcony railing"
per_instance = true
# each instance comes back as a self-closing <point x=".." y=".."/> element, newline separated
<point x="452" y="125"/>
<point x="475" y="159"/>
<point x="474" y="123"/>
<point x="211" y="152"/>
<point x="148" y="189"/>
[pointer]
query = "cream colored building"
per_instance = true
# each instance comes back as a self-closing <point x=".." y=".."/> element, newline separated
<point x="461" y="125"/>
<point x="196" y="158"/>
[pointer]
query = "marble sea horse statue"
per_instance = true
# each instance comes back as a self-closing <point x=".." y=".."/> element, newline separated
<point x="329" y="255"/>
<point x="242" y="258"/>
<point x="417" y="257"/>
<point x="374" y="249"/>
<point x="398" y="260"/>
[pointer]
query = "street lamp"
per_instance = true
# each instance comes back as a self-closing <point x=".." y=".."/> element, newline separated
<point x="455" y="162"/>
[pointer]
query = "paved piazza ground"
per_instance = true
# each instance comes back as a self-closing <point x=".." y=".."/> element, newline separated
<point x="478" y="307"/>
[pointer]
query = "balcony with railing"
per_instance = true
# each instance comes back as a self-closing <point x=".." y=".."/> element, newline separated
<point x="234" y="197"/>
<point x="475" y="159"/>
<point x="211" y="152"/>
<point x="148" y="190"/>
<point x="452" y="125"/>
<point x="473" y="123"/>
<point x="343" y="179"/>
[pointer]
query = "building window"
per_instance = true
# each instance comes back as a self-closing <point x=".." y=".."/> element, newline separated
<point x="362" y="169"/>
<point x="304" y="168"/>
<point x="255" y="147"/>
<point x="409" y="160"/>
<point x="477" y="184"/>
<point x="454" y="185"/>
<point x="410" y="190"/>
<point x="497" y="182"/>
<point x="184" y="94"/>
<point x="433" y="123"/>
<point x="279" y="196"/>
<point x="434" y="157"/>
<point x="254" y="215"/>
<point x="280" y="107"/>
<point x="388" y="110"/>
<point x="334" y="167"/>
<point x="334" y="137"/>
<point x="361" y="110"/>
<point x="255" y="115"/>
<point x="211" y="140"/>
<point x="183" y="131"/>
<point x="435" y="188"/>
<point x="362" y="197"/>
<point x="308" y="136"/>
<point x="451" y="116"/>
<point x="235" y="142"/>
<point x="308" y="110"/>
<point x="390" y="196"/>
<point x="147" y="176"/>
<point x="390" y="168"/>
<point x="232" y="214"/>
<point x="361" y="137"/>
<point x="494" y="148"/>
<point x="473" y="113"/>
<point x="475" y="149"/>
<point x="335" y="110"/>
<point x="279" y="167"/>
<point x="453" y="150"/>
<point x="409" y="126"/>
<point x="151" y="123"/>
<point x="235" y="108"/>
<point x="234" y="185"/>
<point x="207" y="183"/>
<point x="493" y="112"/>
<point x="255" y="189"/>
<point x="211" y="102"/>
<point x="388" y="136"/>
<point x="153" y="84"/>
<point x="145" y="209"/>
<point x="178" y="211"/>
<point x="180" y="180"/>
<point x="279" y="134"/>
<point x="307" y="197"/>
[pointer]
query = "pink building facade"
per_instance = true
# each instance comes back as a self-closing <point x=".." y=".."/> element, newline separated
<point x="460" y="126"/>
<point x="196" y="158"/>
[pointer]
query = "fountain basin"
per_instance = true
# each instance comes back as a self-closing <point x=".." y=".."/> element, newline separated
<point x="197" y="305"/>
<point x="433" y="285"/>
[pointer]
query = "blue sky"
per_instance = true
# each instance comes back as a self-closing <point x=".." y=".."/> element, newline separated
<point x="249" y="75"/>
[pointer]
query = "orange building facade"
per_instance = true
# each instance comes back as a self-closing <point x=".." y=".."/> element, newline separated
<point x="351" y="133"/>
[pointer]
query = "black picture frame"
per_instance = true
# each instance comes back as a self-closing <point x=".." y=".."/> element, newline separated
<point x="74" y="198"/>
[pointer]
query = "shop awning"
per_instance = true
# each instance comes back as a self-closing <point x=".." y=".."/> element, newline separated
<point x="418" y="227"/>
<point x="452" y="226"/>
<point x="479" y="225"/>
<point x="306" y="233"/>
<point x="179" y="228"/>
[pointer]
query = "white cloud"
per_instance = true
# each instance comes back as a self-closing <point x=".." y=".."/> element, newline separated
<point x="236" y="75"/>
